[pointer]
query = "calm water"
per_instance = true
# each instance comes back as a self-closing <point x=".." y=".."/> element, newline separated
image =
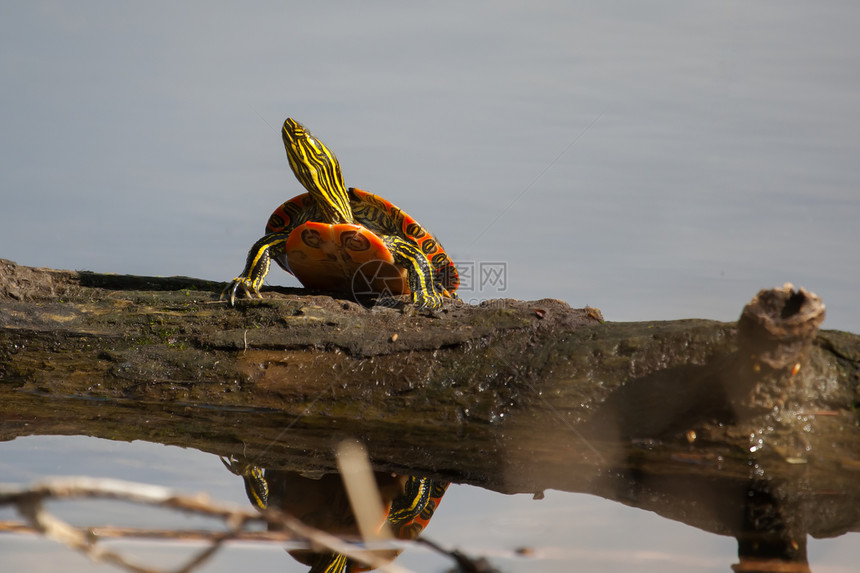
<point x="656" y="161"/>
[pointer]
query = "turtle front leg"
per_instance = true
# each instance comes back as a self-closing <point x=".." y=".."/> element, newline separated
<point x="256" y="486"/>
<point x="419" y="272"/>
<point x="256" y="267"/>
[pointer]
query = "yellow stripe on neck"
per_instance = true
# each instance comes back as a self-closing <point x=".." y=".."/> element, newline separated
<point x="318" y="170"/>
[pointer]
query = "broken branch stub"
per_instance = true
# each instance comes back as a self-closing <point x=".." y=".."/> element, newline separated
<point x="778" y="326"/>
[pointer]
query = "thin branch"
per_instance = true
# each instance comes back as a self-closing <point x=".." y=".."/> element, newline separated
<point x="110" y="532"/>
<point x="465" y="564"/>
<point x="28" y="501"/>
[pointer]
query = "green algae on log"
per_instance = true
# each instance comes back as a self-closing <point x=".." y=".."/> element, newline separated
<point x="470" y="369"/>
<point x="510" y="395"/>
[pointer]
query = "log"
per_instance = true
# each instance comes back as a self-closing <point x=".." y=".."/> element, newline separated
<point x="707" y="422"/>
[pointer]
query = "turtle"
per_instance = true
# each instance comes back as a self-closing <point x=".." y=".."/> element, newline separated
<point x="409" y="504"/>
<point x="346" y="240"/>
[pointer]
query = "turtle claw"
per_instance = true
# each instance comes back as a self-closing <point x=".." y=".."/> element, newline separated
<point x="427" y="301"/>
<point x="234" y="465"/>
<point x="247" y="287"/>
<point x="256" y="487"/>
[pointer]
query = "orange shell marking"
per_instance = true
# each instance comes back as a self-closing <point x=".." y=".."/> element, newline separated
<point x="428" y="244"/>
<point x="326" y="257"/>
<point x="331" y="257"/>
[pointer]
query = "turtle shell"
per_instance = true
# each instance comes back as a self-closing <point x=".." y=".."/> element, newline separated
<point x="353" y="257"/>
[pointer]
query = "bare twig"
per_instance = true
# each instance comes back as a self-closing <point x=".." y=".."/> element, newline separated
<point x="465" y="564"/>
<point x="28" y="501"/>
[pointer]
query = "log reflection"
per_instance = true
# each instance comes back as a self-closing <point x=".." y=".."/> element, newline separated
<point x="746" y="429"/>
<point x="658" y="437"/>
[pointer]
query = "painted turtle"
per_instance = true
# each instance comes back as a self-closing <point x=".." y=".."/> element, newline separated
<point x="347" y="240"/>
<point x="409" y="504"/>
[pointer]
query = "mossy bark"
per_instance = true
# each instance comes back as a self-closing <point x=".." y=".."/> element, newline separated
<point x="510" y="395"/>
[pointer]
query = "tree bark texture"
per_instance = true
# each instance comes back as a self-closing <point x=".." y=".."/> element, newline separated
<point x="750" y="417"/>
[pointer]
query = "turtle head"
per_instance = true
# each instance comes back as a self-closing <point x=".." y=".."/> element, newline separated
<point x="318" y="170"/>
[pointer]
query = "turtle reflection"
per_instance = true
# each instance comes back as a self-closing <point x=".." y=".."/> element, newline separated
<point x="408" y="504"/>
